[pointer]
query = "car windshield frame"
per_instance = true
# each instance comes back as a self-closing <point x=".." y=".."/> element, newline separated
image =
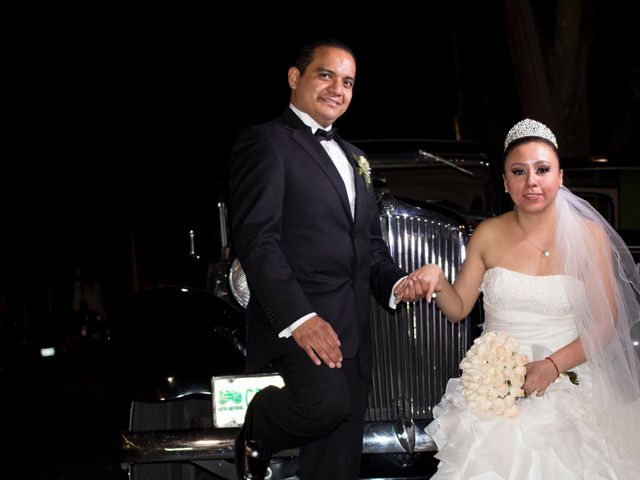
<point x="457" y="175"/>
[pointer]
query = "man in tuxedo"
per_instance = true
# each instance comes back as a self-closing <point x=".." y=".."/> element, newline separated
<point x="306" y="229"/>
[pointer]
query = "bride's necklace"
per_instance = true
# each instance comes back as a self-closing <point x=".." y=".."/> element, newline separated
<point x="546" y="252"/>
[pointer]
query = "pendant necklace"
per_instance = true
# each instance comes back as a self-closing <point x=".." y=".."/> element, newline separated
<point x="544" y="251"/>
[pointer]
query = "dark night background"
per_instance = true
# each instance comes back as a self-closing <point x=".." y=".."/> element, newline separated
<point x="122" y="115"/>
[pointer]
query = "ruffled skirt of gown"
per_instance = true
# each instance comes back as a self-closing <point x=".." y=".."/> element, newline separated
<point x="554" y="436"/>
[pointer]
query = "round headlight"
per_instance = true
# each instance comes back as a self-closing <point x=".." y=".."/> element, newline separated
<point x="238" y="283"/>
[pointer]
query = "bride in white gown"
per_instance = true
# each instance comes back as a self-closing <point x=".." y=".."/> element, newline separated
<point x="557" y="278"/>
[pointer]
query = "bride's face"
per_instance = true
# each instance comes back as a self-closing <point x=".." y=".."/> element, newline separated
<point x="532" y="175"/>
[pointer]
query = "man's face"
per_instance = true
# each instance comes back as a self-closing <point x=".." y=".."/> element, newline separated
<point x="324" y="91"/>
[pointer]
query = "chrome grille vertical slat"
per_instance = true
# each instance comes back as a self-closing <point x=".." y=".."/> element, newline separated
<point x="416" y="350"/>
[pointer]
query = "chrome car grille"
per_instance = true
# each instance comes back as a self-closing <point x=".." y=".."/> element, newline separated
<point x="416" y="350"/>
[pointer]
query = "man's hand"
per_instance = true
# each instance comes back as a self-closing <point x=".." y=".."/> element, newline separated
<point x="320" y="341"/>
<point x="421" y="283"/>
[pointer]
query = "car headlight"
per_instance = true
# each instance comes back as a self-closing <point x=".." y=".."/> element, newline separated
<point x="238" y="283"/>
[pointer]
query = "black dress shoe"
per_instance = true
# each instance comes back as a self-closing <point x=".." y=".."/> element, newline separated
<point x="257" y="461"/>
<point x="252" y="459"/>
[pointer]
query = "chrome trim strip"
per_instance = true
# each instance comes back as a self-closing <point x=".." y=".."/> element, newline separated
<point x="217" y="444"/>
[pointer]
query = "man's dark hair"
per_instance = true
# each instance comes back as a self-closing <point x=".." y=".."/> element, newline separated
<point x="305" y="54"/>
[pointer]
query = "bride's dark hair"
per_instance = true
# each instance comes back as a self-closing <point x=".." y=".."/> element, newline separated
<point x="523" y="140"/>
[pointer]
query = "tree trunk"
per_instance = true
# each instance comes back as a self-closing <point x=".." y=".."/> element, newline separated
<point x="568" y="77"/>
<point x="552" y="82"/>
<point x="528" y="64"/>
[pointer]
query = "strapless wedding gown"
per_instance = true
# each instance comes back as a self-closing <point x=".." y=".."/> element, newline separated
<point x="553" y="436"/>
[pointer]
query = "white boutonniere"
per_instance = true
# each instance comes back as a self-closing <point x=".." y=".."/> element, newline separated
<point x="364" y="170"/>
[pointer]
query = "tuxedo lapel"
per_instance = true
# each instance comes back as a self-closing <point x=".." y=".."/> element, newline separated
<point x="319" y="155"/>
<point x="359" y="186"/>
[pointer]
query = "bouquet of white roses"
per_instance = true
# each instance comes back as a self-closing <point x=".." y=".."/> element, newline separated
<point x="493" y="374"/>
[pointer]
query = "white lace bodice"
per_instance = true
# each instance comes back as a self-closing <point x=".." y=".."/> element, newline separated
<point x="518" y="292"/>
<point x="533" y="309"/>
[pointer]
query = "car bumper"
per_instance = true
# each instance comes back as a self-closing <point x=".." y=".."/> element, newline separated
<point x="402" y="436"/>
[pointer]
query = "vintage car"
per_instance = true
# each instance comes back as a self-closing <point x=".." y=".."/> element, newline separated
<point x="180" y="348"/>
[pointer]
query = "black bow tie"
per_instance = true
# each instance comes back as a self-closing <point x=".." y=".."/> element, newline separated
<point x="324" y="135"/>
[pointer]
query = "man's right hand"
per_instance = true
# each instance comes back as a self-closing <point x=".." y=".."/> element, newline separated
<point x="421" y="283"/>
<point x="320" y="341"/>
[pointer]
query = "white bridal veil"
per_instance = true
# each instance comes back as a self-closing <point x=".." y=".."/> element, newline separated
<point x="606" y="305"/>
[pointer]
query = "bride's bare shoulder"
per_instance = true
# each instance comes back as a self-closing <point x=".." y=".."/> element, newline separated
<point x="494" y="227"/>
<point x="490" y="236"/>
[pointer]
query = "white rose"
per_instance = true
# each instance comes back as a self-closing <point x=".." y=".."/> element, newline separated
<point x="502" y="390"/>
<point x="472" y="385"/>
<point x="482" y="350"/>
<point x="498" y="406"/>
<point x="483" y="404"/>
<point x="517" y="392"/>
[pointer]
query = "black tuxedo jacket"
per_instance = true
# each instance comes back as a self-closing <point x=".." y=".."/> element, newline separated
<point x="300" y="248"/>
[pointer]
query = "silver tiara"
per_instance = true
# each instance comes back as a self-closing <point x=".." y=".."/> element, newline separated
<point x="529" y="128"/>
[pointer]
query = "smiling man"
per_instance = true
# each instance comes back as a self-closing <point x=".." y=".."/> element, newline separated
<point x="306" y="229"/>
